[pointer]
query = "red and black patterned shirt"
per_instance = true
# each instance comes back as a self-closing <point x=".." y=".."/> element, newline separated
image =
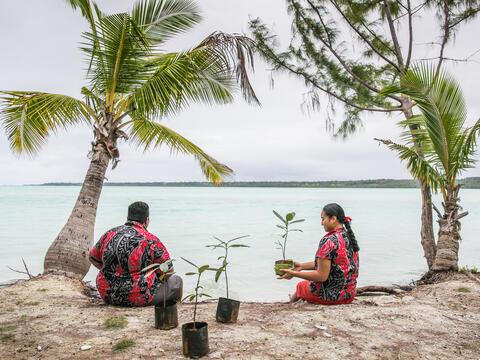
<point x="124" y="251"/>
<point x="342" y="280"/>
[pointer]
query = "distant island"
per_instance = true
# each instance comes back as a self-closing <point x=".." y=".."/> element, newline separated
<point x="467" y="183"/>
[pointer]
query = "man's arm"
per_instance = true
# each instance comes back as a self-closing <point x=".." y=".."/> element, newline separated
<point x="98" y="264"/>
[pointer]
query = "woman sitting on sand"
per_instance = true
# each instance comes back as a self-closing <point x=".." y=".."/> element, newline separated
<point x="332" y="277"/>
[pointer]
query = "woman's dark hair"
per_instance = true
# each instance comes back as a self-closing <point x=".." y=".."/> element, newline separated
<point x="138" y="211"/>
<point x="336" y="210"/>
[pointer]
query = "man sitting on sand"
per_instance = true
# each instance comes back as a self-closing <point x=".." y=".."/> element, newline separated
<point x="123" y="253"/>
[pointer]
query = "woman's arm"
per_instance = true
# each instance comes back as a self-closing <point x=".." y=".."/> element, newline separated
<point x="309" y="265"/>
<point x="320" y="274"/>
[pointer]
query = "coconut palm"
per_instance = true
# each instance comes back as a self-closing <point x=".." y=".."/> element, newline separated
<point x="132" y="84"/>
<point x="448" y="148"/>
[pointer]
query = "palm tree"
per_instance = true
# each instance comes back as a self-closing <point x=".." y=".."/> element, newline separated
<point x="448" y="148"/>
<point x="132" y="84"/>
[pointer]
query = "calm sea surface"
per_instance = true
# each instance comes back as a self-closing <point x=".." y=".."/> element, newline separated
<point x="386" y="222"/>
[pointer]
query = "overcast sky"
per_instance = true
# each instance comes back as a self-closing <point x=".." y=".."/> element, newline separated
<point x="39" y="42"/>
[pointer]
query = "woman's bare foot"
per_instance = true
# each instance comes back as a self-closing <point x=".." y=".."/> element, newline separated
<point x="293" y="297"/>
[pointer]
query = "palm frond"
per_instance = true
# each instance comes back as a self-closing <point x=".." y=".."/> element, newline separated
<point x="236" y="52"/>
<point x="117" y="53"/>
<point x="419" y="167"/>
<point x="85" y="7"/>
<point x="29" y="117"/>
<point x="441" y="102"/>
<point x="468" y="148"/>
<point x="162" y="19"/>
<point x="151" y="135"/>
<point x="182" y="78"/>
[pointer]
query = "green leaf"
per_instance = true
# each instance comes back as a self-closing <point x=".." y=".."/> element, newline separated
<point x="279" y="216"/>
<point x="281" y="227"/>
<point x="290" y="216"/>
<point x="188" y="261"/>
<point x="162" y="19"/>
<point x="237" y="238"/>
<point x="191" y="273"/>
<point x="30" y="117"/>
<point x="218" y="274"/>
<point x="297" y="221"/>
<point x="239" y="245"/>
<point x="149" y="134"/>
<point x="203" y="268"/>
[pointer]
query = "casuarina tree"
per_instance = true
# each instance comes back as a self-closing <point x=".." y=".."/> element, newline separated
<point x="448" y="148"/>
<point x="350" y="50"/>
<point x="132" y="84"/>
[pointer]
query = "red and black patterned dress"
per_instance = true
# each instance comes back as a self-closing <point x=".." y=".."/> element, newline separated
<point x="340" y="286"/>
<point x="124" y="251"/>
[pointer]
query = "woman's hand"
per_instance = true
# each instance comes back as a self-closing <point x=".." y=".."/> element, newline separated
<point x="287" y="274"/>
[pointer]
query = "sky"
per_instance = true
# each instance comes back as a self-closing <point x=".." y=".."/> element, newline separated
<point x="275" y="142"/>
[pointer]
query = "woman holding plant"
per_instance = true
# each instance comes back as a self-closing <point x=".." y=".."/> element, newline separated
<point x="332" y="277"/>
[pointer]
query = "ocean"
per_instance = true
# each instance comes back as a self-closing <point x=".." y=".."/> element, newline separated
<point x="386" y="223"/>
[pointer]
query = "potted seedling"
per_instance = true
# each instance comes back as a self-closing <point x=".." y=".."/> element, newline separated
<point x="195" y="334"/>
<point x="166" y="314"/>
<point x="227" y="309"/>
<point x="287" y="221"/>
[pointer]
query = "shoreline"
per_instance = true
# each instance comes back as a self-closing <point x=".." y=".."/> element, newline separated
<point x="52" y="317"/>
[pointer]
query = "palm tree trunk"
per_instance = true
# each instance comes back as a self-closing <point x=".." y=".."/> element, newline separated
<point x="69" y="252"/>
<point x="448" y="234"/>
<point x="426" y="231"/>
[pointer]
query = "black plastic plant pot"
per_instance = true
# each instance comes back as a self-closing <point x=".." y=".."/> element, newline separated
<point x="227" y="310"/>
<point x="166" y="317"/>
<point x="195" y="339"/>
<point x="283" y="264"/>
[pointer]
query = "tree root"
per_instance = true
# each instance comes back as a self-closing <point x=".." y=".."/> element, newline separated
<point x="390" y="290"/>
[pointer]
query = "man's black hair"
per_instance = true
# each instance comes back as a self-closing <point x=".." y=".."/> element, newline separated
<point x="138" y="211"/>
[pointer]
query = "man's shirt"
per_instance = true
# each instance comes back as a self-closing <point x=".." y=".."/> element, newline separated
<point x="124" y="251"/>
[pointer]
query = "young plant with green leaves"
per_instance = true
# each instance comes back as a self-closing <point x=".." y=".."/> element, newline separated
<point x="448" y="149"/>
<point x="133" y="83"/>
<point x="225" y="246"/>
<point x="196" y="292"/>
<point x="287" y="221"/>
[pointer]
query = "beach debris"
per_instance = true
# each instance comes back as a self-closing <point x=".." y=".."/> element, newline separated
<point x="328" y="335"/>
<point x="85" y="347"/>
<point x="39" y="348"/>
<point x="216" y="355"/>
<point x="321" y="327"/>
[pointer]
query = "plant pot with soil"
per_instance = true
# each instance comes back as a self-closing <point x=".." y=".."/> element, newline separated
<point x="166" y="313"/>
<point x="227" y="309"/>
<point x="195" y="334"/>
<point x="287" y="221"/>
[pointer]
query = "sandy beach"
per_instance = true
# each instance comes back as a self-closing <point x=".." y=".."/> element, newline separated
<point x="53" y="317"/>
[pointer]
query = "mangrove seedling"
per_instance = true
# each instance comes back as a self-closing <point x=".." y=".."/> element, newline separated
<point x="287" y="221"/>
<point x="196" y="292"/>
<point x="225" y="246"/>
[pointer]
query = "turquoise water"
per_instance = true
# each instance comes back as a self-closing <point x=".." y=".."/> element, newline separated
<point x="386" y="222"/>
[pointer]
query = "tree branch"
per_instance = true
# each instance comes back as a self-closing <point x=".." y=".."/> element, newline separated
<point x="26" y="272"/>
<point x="396" y="44"/>
<point x="446" y="35"/>
<point x="329" y="45"/>
<point x="362" y="36"/>
<point x="410" y="34"/>
<point x="312" y="82"/>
